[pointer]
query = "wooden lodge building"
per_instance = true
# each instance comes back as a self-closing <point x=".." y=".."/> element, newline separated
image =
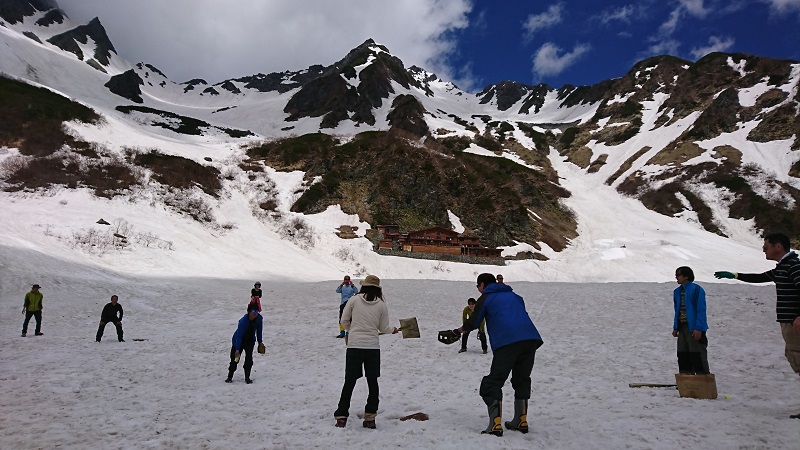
<point x="434" y="240"/>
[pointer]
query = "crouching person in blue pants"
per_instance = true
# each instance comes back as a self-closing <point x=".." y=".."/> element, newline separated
<point x="244" y="339"/>
<point x="514" y="340"/>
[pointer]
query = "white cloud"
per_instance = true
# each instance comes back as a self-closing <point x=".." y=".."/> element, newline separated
<point x="783" y="6"/>
<point x="715" y="44"/>
<point x="695" y="8"/>
<point x="547" y="19"/>
<point x="548" y="60"/>
<point x="669" y="27"/>
<point x="663" y="47"/>
<point x="621" y="14"/>
<point x="217" y="40"/>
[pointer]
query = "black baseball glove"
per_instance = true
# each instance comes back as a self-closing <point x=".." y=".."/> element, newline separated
<point x="449" y="336"/>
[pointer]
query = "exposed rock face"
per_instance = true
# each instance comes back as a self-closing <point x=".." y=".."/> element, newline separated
<point x="384" y="178"/>
<point x="509" y="93"/>
<point x="408" y="115"/>
<point x="52" y="16"/>
<point x="337" y="99"/>
<point x="127" y="85"/>
<point x="721" y="116"/>
<point x="68" y="41"/>
<point x="15" y="11"/>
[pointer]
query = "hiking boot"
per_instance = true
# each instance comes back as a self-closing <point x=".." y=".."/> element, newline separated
<point x="248" y="381"/>
<point x="485" y="351"/>
<point x="227" y="380"/>
<point x="341" y="334"/>
<point x="341" y="422"/>
<point x="122" y="340"/>
<point x="795" y="416"/>
<point x="462" y="350"/>
<point x="520" y="422"/>
<point x="495" y="427"/>
<point x="369" y="424"/>
<point x="39" y="334"/>
<point x="23" y="334"/>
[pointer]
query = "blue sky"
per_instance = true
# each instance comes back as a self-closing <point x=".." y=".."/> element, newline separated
<point x="470" y="42"/>
<point x="586" y="41"/>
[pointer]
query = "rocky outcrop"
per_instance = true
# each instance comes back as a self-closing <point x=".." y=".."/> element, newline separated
<point x="15" y="11"/>
<point x="408" y="114"/>
<point x="508" y="93"/>
<point x="127" y="85"/>
<point x="69" y="40"/>
<point x="333" y="97"/>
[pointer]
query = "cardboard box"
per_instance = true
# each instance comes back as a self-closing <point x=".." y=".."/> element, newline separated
<point x="697" y="386"/>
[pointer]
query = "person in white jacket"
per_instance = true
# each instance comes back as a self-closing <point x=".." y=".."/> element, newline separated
<point x="365" y="317"/>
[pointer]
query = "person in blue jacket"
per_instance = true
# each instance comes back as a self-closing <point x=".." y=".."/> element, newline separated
<point x="514" y="340"/>
<point x="689" y="324"/>
<point x="347" y="289"/>
<point x="244" y="339"/>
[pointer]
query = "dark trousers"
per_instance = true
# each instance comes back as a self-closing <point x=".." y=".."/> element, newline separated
<point x="102" y="328"/>
<point x="481" y="337"/>
<point x="515" y="359"/>
<point x="370" y="359"/>
<point x="247" y="349"/>
<point x="692" y="355"/>
<point x="28" y="315"/>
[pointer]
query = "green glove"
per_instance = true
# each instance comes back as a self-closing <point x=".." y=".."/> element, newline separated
<point x="730" y="275"/>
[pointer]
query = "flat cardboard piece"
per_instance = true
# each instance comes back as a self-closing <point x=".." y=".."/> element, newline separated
<point x="697" y="386"/>
<point x="409" y="327"/>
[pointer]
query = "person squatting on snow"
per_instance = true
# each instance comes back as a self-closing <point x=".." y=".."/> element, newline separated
<point x="347" y="289"/>
<point x="32" y="307"/>
<point x="514" y="340"/>
<point x="689" y="324"/>
<point x="365" y="317"/>
<point x="112" y="312"/>
<point x="786" y="276"/>
<point x="244" y="339"/>
<point x="468" y="311"/>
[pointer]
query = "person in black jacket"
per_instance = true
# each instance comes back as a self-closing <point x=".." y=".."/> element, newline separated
<point x="786" y="276"/>
<point x="112" y="312"/>
<point x="256" y="291"/>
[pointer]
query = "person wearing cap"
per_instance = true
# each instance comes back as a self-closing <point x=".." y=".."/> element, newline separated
<point x="365" y="317"/>
<point x="514" y="340"/>
<point x="465" y="315"/>
<point x="244" y="339"/>
<point x="32" y="307"/>
<point x="347" y="289"/>
<point x="112" y="312"/>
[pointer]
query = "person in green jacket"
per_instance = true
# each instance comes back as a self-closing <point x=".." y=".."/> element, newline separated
<point x="32" y="307"/>
<point x="468" y="310"/>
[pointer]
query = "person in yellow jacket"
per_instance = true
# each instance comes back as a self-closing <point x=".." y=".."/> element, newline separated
<point x="468" y="310"/>
<point x="32" y="307"/>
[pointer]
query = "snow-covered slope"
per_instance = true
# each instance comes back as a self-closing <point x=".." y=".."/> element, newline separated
<point x="619" y="239"/>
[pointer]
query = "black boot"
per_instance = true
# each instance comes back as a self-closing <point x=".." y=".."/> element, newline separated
<point x="495" y="427"/>
<point x="230" y="377"/>
<point x="520" y="422"/>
